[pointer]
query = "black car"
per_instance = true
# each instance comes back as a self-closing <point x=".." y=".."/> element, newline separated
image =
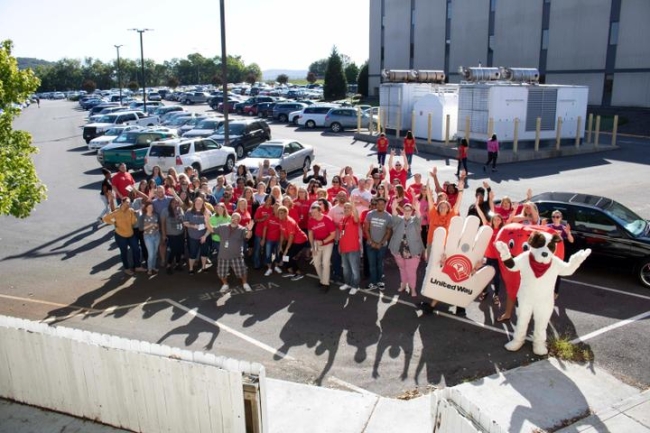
<point x="282" y="110"/>
<point x="243" y="135"/>
<point x="612" y="231"/>
<point x="265" y="109"/>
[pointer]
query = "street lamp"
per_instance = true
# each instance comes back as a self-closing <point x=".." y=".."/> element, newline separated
<point x="224" y="75"/>
<point x="119" y="72"/>
<point x="144" y="83"/>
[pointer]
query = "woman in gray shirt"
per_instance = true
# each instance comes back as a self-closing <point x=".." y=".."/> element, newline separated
<point x="406" y="245"/>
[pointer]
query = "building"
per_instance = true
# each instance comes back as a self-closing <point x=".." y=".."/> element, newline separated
<point x="598" y="43"/>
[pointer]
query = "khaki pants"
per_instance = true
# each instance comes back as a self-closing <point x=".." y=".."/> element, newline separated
<point x="322" y="261"/>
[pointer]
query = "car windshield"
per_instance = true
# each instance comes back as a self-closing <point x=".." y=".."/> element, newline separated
<point x="235" y="129"/>
<point x="129" y="137"/>
<point x="108" y="118"/>
<point x="628" y="219"/>
<point x="207" y="124"/>
<point x="266" y="152"/>
<point x="178" y="121"/>
<point x="114" y="131"/>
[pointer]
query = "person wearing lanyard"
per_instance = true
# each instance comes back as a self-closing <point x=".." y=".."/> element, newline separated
<point x="171" y="221"/>
<point x="350" y="248"/>
<point x="233" y="238"/>
<point x="322" y="232"/>
<point x="197" y="221"/>
<point x="292" y="241"/>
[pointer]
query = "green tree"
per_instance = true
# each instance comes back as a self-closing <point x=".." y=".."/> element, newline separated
<point x="133" y="86"/>
<point x="216" y="80"/>
<point x="351" y="73"/>
<point x="282" y="79"/>
<point x="311" y="77"/>
<point x="20" y="188"/>
<point x="319" y="67"/>
<point x="89" y="86"/>
<point x="172" y="82"/>
<point x="362" y="80"/>
<point x="335" y="86"/>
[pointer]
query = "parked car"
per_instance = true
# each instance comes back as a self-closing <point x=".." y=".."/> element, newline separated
<point x="239" y="108"/>
<point x="154" y="96"/>
<point x="289" y="155"/>
<point x="615" y="234"/>
<point x="244" y="135"/>
<point x="204" y="128"/>
<point x="164" y="110"/>
<point x="110" y="135"/>
<point x="190" y="124"/>
<point x="131" y="148"/>
<point x="194" y="98"/>
<point x="102" y="124"/>
<point x="337" y="119"/>
<point x="217" y="103"/>
<point x="201" y="153"/>
<point x="282" y="110"/>
<point x="314" y="115"/>
<point x="265" y="109"/>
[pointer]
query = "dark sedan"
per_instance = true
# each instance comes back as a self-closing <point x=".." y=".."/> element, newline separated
<point x="612" y="231"/>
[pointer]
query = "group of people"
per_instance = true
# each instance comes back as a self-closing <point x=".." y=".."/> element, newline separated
<point x="344" y="226"/>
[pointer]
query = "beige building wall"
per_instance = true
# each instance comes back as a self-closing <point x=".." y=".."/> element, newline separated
<point x="517" y="33"/>
<point x="397" y="34"/>
<point x="578" y="34"/>
<point x="469" y="34"/>
<point x="374" y="56"/>
<point x="631" y="90"/>
<point x="633" y="50"/>
<point x="429" y="37"/>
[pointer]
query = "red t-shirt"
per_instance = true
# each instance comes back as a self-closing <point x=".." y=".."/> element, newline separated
<point x="273" y="228"/>
<point x="491" y="252"/>
<point x="290" y="227"/>
<point x="121" y="181"/>
<point x="302" y="207"/>
<point x="362" y="219"/>
<point x="401" y="175"/>
<point x="229" y="204"/>
<point x="462" y="152"/>
<point x="382" y="145"/>
<point x="245" y="218"/>
<point x="331" y="192"/>
<point x="409" y="146"/>
<point x="237" y="192"/>
<point x="259" y="214"/>
<point x="321" y="229"/>
<point x="416" y="187"/>
<point x="349" y="241"/>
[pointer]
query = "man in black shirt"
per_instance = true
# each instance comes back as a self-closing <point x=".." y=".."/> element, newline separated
<point x="322" y="178"/>
<point x="482" y="195"/>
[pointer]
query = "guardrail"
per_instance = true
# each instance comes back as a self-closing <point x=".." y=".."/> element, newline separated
<point x="129" y="384"/>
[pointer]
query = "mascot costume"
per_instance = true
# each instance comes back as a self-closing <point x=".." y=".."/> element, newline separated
<point x="532" y="260"/>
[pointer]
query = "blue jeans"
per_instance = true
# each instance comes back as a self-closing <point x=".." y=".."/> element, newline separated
<point x="351" y="268"/>
<point x="376" y="263"/>
<point x="124" y="244"/>
<point x="257" y="252"/>
<point x="152" y="242"/>
<point x="271" y="247"/>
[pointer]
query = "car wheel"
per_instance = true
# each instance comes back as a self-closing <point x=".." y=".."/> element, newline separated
<point x="239" y="150"/>
<point x="306" y="165"/>
<point x="283" y="118"/>
<point x="643" y="272"/>
<point x="310" y="124"/>
<point x="295" y="121"/>
<point x="336" y="127"/>
<point x="230" y="164"/>
<point x="197" y="167"/>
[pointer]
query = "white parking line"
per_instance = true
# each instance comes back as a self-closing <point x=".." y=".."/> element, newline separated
<point x="607" y="289"/>
<point x="610" y="327"/>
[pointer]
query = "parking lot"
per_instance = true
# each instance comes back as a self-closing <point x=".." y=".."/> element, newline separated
<point x="57" y="268"/>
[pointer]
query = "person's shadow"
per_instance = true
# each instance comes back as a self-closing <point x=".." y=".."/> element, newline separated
<point x="398" y="328"/>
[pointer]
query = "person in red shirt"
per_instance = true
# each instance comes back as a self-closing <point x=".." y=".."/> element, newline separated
<point x="410" y="147"/>
<point x="335" y="188"/>
<point x="228" y="200"/>
<point x="322" y="232"/>
<point x="492" y="255"/>
<point x="382" y="149"/>
<point x="462" y="156"/>
<point x="122" y="182"/>
<point x="350" y="248"/>
<point x="262" y="214"/>
<point x="292" y="241"/>
<point x="415" y="188"/>
<point x="242" y="209"/>
<point x="302" y="203"/>
<point x="398" y="170"/>
<point x="270" y="242"/>
<point x="238" y="191"/>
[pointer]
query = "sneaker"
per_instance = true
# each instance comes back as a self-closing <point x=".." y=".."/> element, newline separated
<point x="277" y="269"/>
<point x="224" y="288"/>
<point x="288" y="275"/>
<point x="494" y="170"/>
<point x="353" y="290"/>
<point x="344" y="287"/>
<point x="140" y="269"/>
<point x="268" y="272"/>
<point x="298" y="277"/>
<point x="372" y="286"/>
<point x="247" y="287"/>
<point x="381" y="286"/>
<point x="129" y="272"/>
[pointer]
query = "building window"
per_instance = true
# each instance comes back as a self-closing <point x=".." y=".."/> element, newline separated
<point x="545" y="39"/>
<point x="493" y="5"/>
<point x="613" y="33"/>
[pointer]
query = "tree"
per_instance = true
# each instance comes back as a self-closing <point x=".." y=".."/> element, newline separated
<point x="172" y="82"/>
<point x="319" y="67"/>
<point x="251" y="78"/>
<point x="216" y="80"/>
<point x="133" y="86"/>
<point x="362" y="80"/>
<point x="351" y="73"/>
<point x="89" y="86"/>
<point x="20" y="188"/>
<point x="311" y="77"/>
<point x="335" y="86"/>
<point x="282" y="79"/>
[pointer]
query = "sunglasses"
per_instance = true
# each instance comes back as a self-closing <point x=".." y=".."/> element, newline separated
<point x="557" y="217"/>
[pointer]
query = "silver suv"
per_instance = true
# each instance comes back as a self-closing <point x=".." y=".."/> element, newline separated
<point x="314" y="115"/>
<point x="201" y="153"/>
<point x="337" y="119"/>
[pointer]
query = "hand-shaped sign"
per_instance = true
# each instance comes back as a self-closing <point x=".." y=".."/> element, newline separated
<point x="450" y="275"/>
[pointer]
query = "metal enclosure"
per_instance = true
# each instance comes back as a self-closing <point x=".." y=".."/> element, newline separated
<point x="439" y="105"/>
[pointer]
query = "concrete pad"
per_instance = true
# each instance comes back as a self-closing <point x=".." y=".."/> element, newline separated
<point x="413" y="416"/>
<point x="545" y="394"/>
<point x="294" y="407"/>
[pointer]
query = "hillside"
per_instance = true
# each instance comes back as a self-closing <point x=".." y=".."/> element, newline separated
<point x="28" y="62"/>
<point x="272" y="74"/>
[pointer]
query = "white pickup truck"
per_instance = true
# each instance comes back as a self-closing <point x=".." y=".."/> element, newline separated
<point x="106" y="122"/>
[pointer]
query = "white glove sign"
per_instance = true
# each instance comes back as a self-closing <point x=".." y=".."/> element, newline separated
<point x="450" y="276"/>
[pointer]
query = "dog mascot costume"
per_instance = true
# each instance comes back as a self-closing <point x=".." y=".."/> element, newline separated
<point x="538" y="267"/>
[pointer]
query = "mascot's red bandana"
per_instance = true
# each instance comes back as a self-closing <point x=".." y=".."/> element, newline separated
<point x="538" y="268"/>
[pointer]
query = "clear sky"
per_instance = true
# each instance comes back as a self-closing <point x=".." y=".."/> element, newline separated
<point x="275" y="34"/>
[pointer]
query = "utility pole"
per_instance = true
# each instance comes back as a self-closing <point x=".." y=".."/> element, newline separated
<point x="144" y="82"/>
<point x="224" y="76"/>
<point x="119" y="72"/>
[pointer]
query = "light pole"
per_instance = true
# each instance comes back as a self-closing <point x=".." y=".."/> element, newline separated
<point x="119" y="72"/>
<point x="144" y="82"/>
<point x="224" y="76"/>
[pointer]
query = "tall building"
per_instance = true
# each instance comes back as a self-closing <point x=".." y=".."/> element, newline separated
<point x="599" y="43"/>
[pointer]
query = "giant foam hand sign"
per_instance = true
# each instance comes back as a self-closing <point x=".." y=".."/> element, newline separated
<point x="450" y="275"/>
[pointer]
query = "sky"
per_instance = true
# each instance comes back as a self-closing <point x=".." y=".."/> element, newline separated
<point x="275" y="34"/>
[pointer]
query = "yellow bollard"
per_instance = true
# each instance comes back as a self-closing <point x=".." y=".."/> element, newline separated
<point x="490" y="128"/>
<point x="429" y="128"/>
<point x="399" y="125"/>
<point x="538" y="127"/>
<point x="358" y="121"/>
<point x="379" y="121"/>
<point x="447" y="120"/>
<point x="558" y="133"/>
<point x="578" y="131"/>
<point x="615" y="130"/>
<point x="590" y="123"/>
<point x="413" y="121"/>
<point x="467" y="125"/>
<point x="515" y="142"/>
<point x="597" y="132"/>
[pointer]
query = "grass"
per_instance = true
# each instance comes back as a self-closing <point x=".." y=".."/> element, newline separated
<point x="562" y="348"/>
